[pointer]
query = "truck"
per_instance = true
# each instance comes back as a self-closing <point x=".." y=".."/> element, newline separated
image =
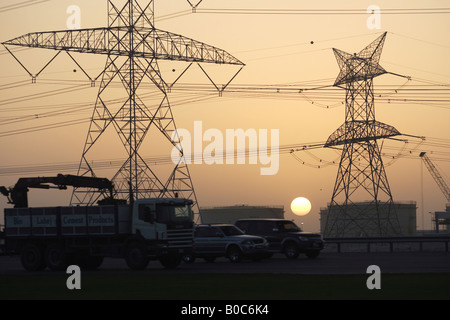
<point x="56" y="237"/>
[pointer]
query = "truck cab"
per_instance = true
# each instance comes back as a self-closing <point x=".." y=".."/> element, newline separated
<point x="165" y="223"/>
<point x="162" y="219"/>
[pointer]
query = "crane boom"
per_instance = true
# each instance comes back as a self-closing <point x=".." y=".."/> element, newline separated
<point x="18" y="195"/>
<point x="436" y="175"/>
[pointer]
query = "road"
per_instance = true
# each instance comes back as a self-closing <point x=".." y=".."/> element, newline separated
<point x="326" y="263"/>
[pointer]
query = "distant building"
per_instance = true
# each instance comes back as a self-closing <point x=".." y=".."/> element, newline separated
<point x="406" y="212"/>
<point x="442" y="220"/>
<point x="233" y="213"/>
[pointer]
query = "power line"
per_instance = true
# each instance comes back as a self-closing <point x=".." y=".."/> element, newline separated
<point x="291" y="149"/>
<point x="23" y="4"/>
<point x="44" y="127"/>
<point x="402" y="11"/>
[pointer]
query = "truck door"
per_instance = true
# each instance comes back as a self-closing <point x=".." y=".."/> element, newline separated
<point x="145" y="222"/>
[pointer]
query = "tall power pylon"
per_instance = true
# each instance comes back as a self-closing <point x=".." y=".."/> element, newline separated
<point x="133" y="47"/>
<point x="361" y="174"/>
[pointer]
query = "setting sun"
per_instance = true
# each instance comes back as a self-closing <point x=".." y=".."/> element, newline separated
<point x="301" y="206"/>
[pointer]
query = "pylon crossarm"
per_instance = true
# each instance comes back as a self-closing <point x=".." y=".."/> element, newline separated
<point x="357" y="131"/>
<point x="171" y="46"/>
<point x="149" y="43"/>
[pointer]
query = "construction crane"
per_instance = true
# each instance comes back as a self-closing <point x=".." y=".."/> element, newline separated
<point x="18" y="195"/>
<point x="436" y="175"/>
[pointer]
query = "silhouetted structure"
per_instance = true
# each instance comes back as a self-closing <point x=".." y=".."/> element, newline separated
<point x="361" y="172"/>
<point x="133" y="47"/>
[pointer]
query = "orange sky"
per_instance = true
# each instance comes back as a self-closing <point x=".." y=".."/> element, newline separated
<point x="278" y="50"/>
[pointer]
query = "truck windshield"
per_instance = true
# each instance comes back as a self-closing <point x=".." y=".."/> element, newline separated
<point x="170" y="213"/>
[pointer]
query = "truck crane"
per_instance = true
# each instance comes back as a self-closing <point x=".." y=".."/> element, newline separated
<point x="436" y="175"/>
<point x="55" y="237"/>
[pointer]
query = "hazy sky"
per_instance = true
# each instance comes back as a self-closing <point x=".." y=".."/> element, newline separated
<point x="281" y="51"/>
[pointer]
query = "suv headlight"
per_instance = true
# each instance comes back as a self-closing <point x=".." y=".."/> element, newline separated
<point x="303" y="238"/>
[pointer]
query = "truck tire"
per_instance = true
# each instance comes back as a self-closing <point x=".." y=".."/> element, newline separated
<point x="56" y="257"/>
<point x="234" y="254"/>
<point x="32" y="257"/>
<point x="170" y="261"/>
<point x="136" y="256"/>
<point x="291" y="250"/>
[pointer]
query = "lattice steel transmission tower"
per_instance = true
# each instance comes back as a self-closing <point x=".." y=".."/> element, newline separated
<point x="132" y="46"/>
<point x="361" y="174"/>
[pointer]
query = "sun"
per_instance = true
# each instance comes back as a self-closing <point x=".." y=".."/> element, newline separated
<point x="301" y="206"/>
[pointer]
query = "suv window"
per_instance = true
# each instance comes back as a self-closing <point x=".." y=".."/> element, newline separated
<point x="243" y="225"/>
<point x="287" y="226"/>
<point x="231" y="231"/>
<point x="258" y="227"/>
<point x="265" y="227"/>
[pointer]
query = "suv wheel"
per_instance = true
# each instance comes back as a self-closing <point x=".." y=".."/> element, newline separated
<point x="234" y="254"/>
<point x="291" y="250"/>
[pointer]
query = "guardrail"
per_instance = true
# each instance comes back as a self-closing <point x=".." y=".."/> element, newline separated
<point x="391" y="244"/>
<point x="2" y="242"/>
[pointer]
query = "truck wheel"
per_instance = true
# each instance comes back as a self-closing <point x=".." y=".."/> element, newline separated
<point x="136" y="256"/>
<point x="170" y="261"/>
<point x="234" y="254"/>
<point x="56" y="257"/>
<point x="32" y="257"/>
<point x="291" y="250"/>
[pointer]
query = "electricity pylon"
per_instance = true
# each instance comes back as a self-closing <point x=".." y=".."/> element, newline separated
<point x="133" y="47"/>
<point x="361" y="172"/>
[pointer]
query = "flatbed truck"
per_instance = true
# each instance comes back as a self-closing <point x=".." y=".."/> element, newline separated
<point x="56" y="237"/>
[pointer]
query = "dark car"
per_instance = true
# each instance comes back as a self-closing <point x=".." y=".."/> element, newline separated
<point x="283" y="236"/>
<point x="226" y="240"/>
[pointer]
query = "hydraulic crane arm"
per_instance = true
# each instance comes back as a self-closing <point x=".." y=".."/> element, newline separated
<point x="18" y="195"/>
